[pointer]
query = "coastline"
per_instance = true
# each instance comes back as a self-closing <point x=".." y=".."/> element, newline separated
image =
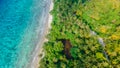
<point x="38" y="49"/>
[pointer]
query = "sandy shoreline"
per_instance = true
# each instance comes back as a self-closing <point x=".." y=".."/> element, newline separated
<point x="47" y="32"/>
<point x="38" y="49"/>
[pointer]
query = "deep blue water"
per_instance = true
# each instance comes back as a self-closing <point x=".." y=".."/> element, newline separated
<point x="21" y="23"/>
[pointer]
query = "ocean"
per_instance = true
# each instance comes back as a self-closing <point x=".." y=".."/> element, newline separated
<point x="22" y="24"/>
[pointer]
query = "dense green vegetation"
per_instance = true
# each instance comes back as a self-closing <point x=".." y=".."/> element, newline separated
<point x="74" y="20"/>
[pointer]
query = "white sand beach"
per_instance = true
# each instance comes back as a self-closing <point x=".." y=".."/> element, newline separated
<point x="39" y="50"/>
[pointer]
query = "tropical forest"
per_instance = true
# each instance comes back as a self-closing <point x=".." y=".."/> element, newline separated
<point x="84" y="34"/>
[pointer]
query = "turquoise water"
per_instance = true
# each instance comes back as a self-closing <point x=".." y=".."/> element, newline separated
<point x="21" y="24"/>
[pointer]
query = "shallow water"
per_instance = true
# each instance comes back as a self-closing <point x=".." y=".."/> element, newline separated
<point x="21" y="26"/>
